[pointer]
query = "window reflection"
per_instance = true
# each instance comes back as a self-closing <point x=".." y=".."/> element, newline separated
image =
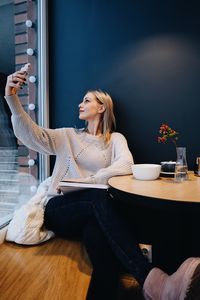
<point x="7" y="138"/>
<point x="19" y="179"/>
<point x="16" y="186"/>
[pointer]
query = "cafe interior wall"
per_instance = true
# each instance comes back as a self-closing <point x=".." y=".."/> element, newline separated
<point x="146" y="54"/>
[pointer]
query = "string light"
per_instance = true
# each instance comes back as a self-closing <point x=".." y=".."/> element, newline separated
<point x="29" y="23"/>
<point x="33" y="188"/>
<point x="30" y="51"/>
<point x="31" y="106"/>
<point x="32" y="79"/>
<point x="31" y="162"/>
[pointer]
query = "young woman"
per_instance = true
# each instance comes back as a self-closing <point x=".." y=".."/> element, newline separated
<point x="93" y="155"/>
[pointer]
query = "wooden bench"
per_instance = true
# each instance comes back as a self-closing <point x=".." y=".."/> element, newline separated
<point x="58" y="270"/>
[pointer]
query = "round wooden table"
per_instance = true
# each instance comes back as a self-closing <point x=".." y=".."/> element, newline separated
<point x="168" y="211"/>
<point x="161" y="189"/>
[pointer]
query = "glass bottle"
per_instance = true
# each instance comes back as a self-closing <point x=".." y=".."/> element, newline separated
<point x="197" y="167"/>
<point x="181" y="168"/>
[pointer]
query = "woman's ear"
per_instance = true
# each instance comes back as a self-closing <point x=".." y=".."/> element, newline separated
<point x="101" y="108"/>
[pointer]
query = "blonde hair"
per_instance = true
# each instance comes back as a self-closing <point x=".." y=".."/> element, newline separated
<point x="107" y="123"/>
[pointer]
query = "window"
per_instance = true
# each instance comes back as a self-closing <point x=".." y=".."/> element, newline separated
<point x="21" y="169"/>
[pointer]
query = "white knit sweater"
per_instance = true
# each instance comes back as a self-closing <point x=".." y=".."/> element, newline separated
<point x="78" y="154"/>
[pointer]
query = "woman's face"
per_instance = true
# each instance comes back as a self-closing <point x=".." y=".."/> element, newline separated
<point x="89" y="108"/>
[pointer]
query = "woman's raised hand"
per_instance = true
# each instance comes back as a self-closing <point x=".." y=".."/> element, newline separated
<point x="16" y="80"/>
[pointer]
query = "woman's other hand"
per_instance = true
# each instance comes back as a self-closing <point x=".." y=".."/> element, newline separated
<point x="15" y="82"/>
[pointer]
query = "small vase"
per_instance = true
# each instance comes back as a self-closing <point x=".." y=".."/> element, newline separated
<point x="181" y="168"/>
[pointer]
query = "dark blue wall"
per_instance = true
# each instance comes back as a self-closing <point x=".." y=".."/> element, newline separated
<point x="146" y="54"/>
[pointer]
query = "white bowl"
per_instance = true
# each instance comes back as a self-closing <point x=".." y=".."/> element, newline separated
<point x="146" y="171"/>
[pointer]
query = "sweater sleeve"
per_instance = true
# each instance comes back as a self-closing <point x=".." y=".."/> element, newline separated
<point x="121" y="160"/>
<point x="40" y="139"/>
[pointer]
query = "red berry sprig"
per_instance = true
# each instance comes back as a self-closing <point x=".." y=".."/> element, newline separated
<point x="167" y="133"/>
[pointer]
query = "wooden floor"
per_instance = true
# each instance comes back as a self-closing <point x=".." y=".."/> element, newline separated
<point x="55" y="270"/>
<point x="52" y="270"/>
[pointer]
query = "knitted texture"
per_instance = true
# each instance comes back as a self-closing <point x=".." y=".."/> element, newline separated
<point x="26" y="226"/>
<point x="79" y="155"/>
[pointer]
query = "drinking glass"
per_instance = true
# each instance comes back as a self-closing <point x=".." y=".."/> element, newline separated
<point x="181" y="168"/>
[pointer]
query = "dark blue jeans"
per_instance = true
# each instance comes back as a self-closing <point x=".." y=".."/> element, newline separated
<point x="70" y="216"/>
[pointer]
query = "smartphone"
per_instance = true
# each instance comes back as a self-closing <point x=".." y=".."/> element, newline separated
<point x="25" y="68"/>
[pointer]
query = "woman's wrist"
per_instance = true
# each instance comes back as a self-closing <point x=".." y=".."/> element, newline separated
<point x="10" y="91"/>
<point x="15" y="82"/>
